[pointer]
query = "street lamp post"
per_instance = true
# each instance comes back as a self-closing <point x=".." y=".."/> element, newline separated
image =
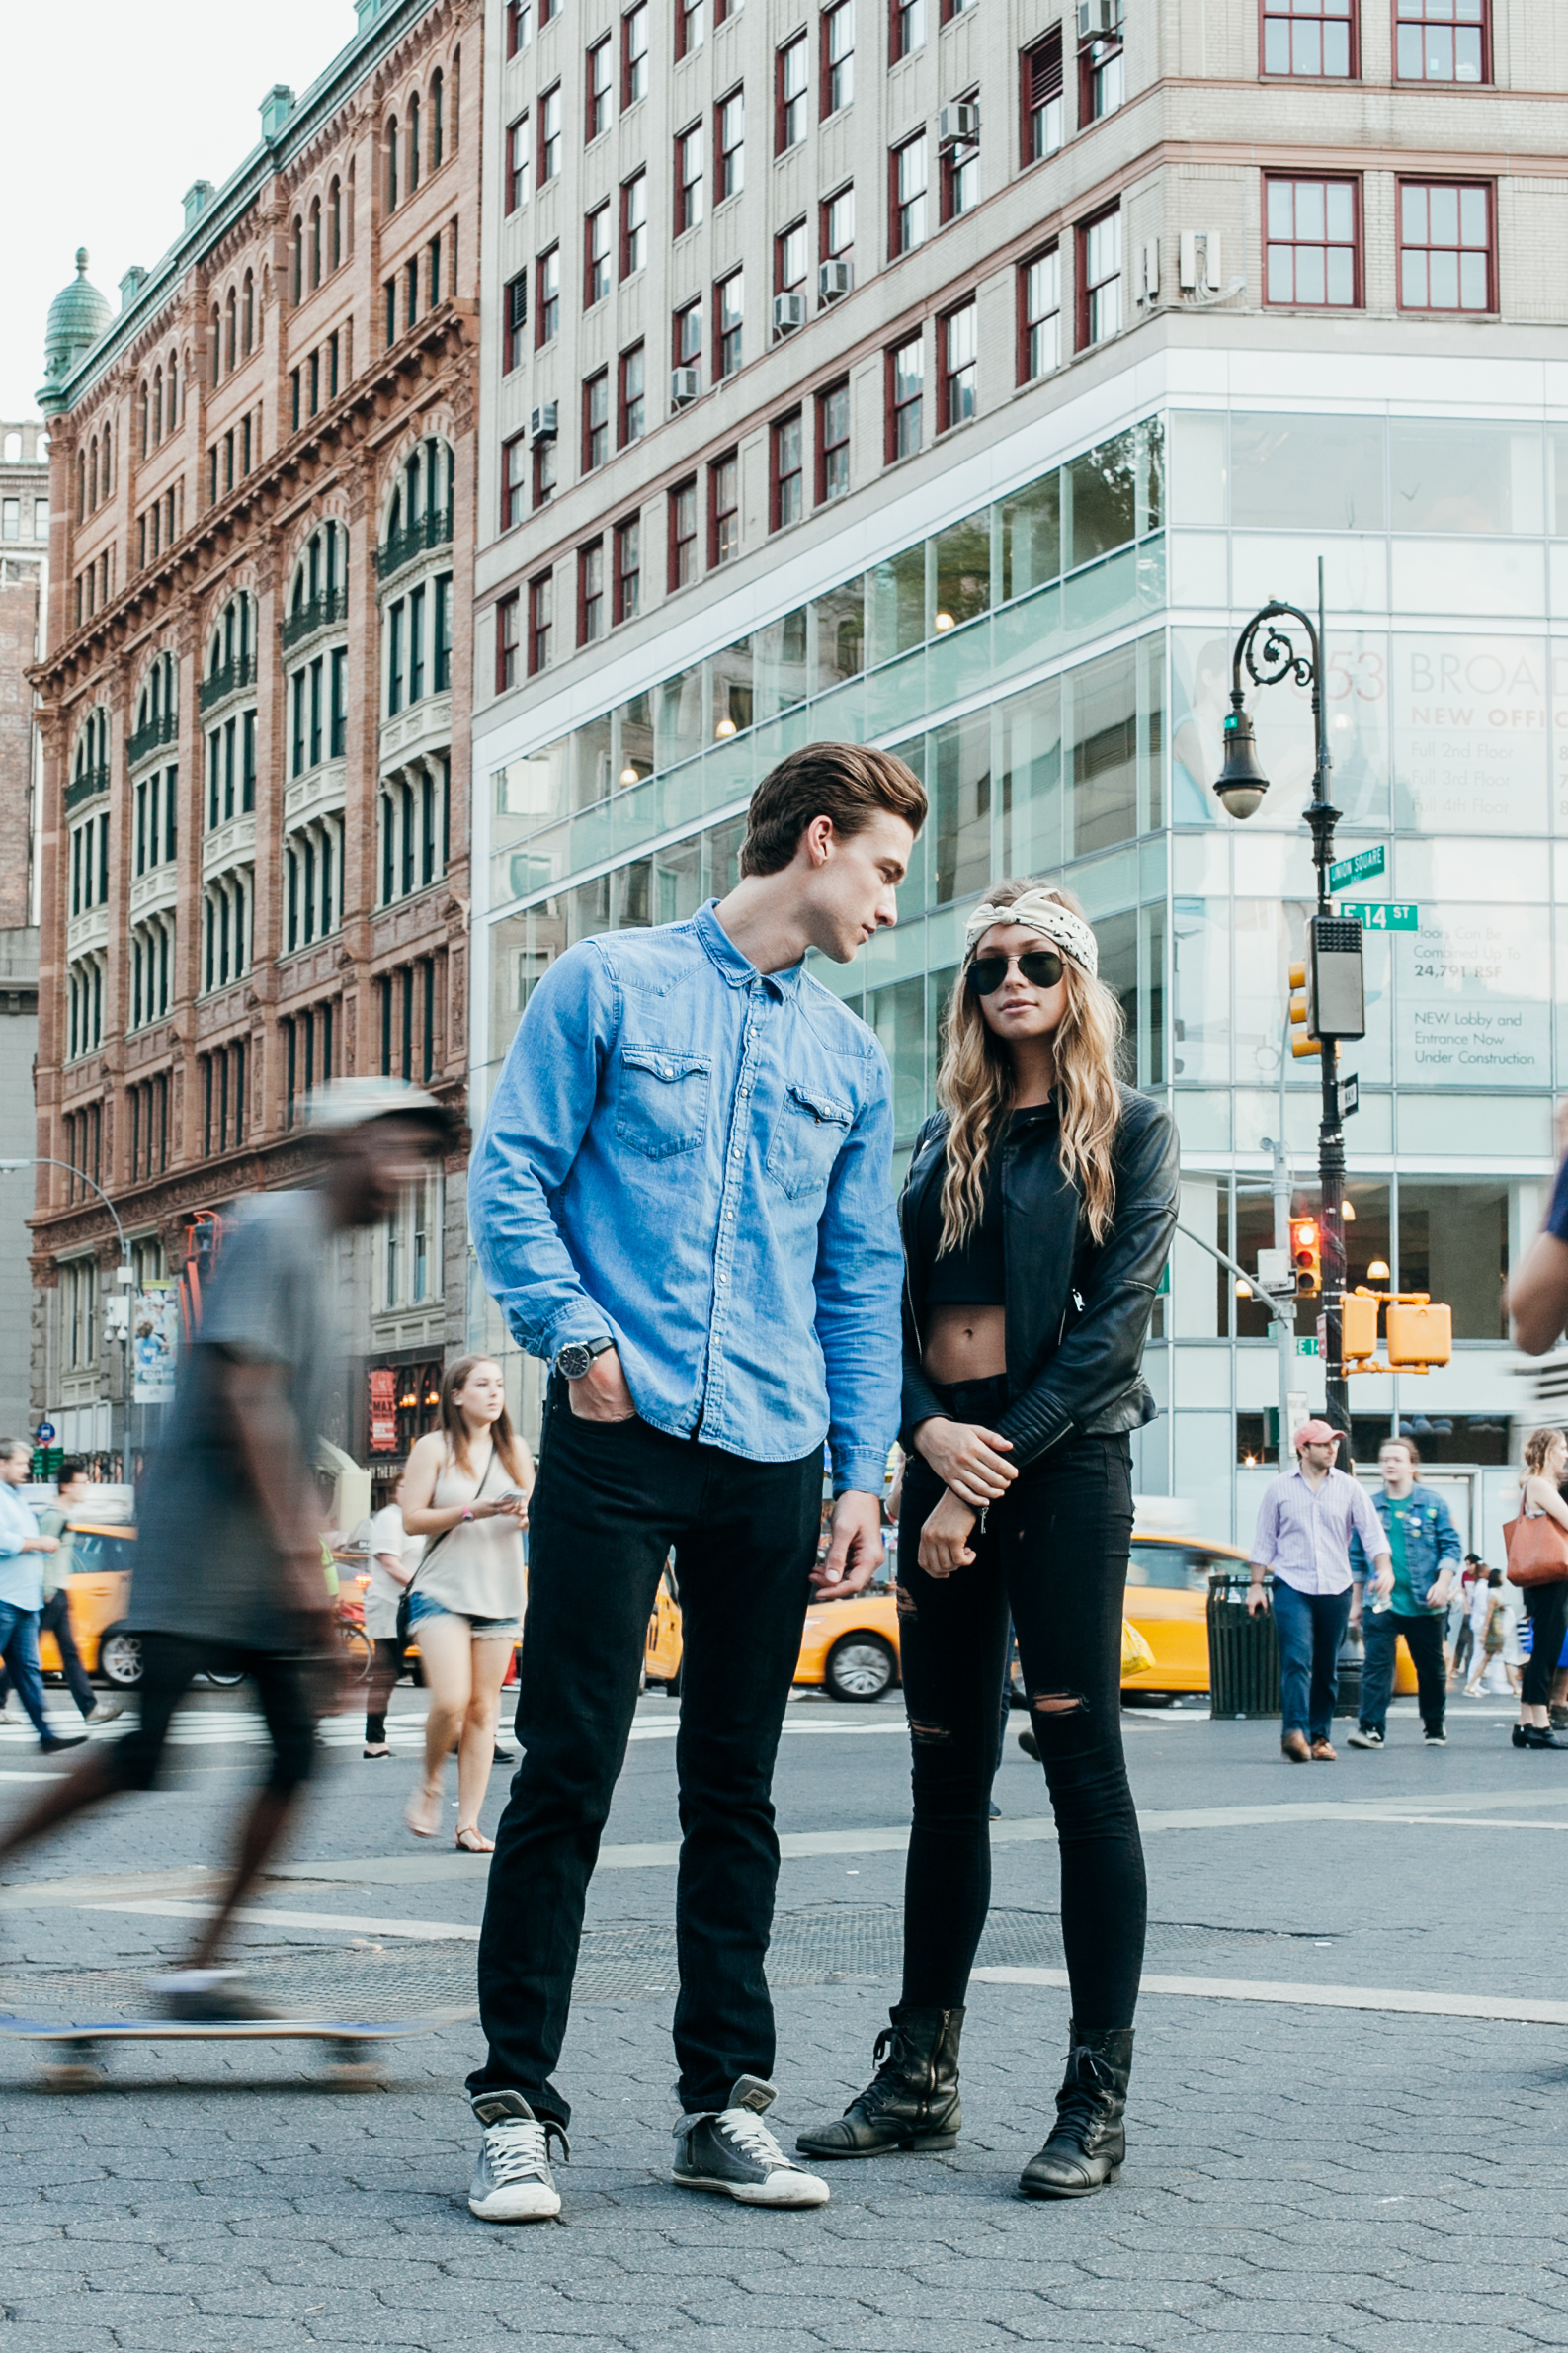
<point x="1241" y="786"/>
<point x="125" y="1271"/>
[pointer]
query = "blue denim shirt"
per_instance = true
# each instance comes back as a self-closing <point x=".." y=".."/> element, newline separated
<point x="696" y="1158"/>
<point x="1431" y="1541"/>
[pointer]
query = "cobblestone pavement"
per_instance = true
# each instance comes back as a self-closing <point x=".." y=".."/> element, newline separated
<point x="1298" y="2173"/>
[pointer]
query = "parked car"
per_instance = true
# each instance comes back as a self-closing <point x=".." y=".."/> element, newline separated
<point x="1167" y="1602"/>
<point x="98" y="1591"/>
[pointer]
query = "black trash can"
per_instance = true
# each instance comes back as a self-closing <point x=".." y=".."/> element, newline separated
<point x="1348" y="1666"/>
<point x="1243" y="1650"/>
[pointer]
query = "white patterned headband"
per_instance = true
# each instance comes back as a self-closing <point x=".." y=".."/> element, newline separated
<point x="1037" y="911"/>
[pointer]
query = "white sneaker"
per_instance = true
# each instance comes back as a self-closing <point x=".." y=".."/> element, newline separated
<point x="731" y="2150"/>
<point x="1360" y="1739"/>
<point x="104" y="1711"/>
<point x="512" y="2181"/>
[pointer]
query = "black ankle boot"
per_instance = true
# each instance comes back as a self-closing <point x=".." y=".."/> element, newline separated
<point x="911" y="2102"/>
<point x="1088" y="2143"/>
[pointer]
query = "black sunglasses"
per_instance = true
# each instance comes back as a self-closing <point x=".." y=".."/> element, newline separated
<point x="1041" y="968"/>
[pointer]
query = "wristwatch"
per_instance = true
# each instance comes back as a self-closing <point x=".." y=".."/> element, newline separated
<point x="574" y="1360"/>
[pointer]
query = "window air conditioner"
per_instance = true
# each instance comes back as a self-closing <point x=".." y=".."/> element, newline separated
<point x="543" y="424"/>
<point x="1099" y="20"/>
<point x="788" y="313"/>
<point x="835" y="279"/>
<point x="686" y="386"/>
<point x="958" y="126"/>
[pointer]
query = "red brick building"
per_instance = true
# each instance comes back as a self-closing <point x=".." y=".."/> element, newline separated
<point x="256" y="703"/>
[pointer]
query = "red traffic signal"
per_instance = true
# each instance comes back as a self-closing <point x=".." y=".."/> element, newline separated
<point x="1306" y="1256"/>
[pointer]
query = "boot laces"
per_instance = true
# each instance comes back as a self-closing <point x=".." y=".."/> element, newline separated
<point x="1081" y="2104"/>
<point x="517" y="2149"/>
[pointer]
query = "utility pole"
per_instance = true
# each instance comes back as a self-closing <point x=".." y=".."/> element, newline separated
<point x="1336" y="1000"/>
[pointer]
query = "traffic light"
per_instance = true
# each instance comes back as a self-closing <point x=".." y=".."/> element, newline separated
<point x="1301" y="1043"/>
<point x="1306" y="1257"/>
<point x="1359" y="1325"/>
<point x="1420" y="1333"/>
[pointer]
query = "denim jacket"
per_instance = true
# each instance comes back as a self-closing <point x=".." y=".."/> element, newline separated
<point x="696" y="1159"/>
<point x="1431" y="1541"/>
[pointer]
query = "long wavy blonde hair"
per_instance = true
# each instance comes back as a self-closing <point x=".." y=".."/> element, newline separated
<point x="975" y="1083"/>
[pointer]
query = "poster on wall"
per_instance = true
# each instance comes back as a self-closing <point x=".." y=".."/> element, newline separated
<point x="1471" y="734"/>
<point x="155" y="1332"/>
<point x="1473" y="1003"/>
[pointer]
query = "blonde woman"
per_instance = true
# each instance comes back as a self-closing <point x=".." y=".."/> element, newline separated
<point x="1547" y="1606"/>
<point x="1037" y="1217"/>
<point x="466" y="1491"/>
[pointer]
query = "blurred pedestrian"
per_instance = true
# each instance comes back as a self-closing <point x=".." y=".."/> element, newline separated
<point x="466" y="1491"/>
<point x="1537" y="1290"/>
<point x="1424" y="1548"/>
<point x="74" y="1493"/>
<point x="22" y="1547"/>
<point x="1305" y="1523"/>
<point x="1460" y="1604"/>
<point x="1037" y="1217"/>
<point x="228" y="1558"/>
<point x="1489" y="1629"/>
<point x="1546" y="1603"/>
<point x="393" y="1557"/>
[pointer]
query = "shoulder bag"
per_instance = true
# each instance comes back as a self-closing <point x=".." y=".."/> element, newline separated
<point x="1537" y="1549"/>
<point x="405" y="1598"/>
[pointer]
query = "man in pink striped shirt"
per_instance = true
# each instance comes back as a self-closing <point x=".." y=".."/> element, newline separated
<point x="1304" y="1527"/>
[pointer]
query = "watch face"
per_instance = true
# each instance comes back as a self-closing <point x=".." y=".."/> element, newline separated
<point x="573" y="1361"/>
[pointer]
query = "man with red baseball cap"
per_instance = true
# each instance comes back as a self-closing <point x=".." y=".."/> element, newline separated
<point x="1304" y="1527"/>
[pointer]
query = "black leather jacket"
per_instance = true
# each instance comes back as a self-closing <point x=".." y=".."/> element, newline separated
<point x="1077" y="1311"/>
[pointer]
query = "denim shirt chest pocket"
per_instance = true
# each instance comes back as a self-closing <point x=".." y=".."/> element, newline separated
<point x="661" y="1099"/>
<point x="811" y="1130"/>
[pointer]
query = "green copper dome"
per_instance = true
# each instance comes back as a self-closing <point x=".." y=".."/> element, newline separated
<point x="78" y="315"/>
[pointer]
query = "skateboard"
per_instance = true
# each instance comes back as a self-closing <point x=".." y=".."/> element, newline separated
<point x="354" y="2062"/>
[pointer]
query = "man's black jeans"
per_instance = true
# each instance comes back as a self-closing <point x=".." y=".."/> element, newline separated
<point x="1381" y="1629"/>
<point x="1053" y="1551"/>
<point x="612" y="1498"/>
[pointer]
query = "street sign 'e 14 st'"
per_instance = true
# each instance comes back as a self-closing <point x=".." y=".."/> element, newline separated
<point x="1376" y="917"/>
<point x="1359" y="868"/>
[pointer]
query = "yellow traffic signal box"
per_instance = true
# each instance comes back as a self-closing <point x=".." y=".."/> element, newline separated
<point x="1359" y="1324"/>
<point x="1419" y="1336"/>
<point x="1306" y="1257"/>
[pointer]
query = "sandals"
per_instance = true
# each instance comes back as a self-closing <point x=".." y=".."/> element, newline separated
<point x="422" y="1813"/>
<point x="475" y="1842"/>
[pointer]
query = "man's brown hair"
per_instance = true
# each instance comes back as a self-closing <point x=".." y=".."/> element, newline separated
<point x="841" y="780"/>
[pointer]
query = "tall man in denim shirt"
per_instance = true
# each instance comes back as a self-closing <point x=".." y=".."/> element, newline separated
<point x="1423" y="1546"/>
<point x="682" y="1201"/>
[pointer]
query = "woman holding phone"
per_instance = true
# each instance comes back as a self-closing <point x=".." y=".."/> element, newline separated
<point x="1037" y="1218"/>
<point x="466" y="1491"/>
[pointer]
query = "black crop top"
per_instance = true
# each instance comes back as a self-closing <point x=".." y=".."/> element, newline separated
<point x="974" y="1275"/>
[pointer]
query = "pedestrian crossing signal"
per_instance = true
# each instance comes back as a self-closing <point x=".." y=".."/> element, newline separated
<point x="1306" y="1257"/>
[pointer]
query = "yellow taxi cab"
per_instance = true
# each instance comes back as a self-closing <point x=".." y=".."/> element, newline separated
<point x="98" y="1589"/>
<point x="1168" y="1603"/>
<point x="848" y="1649"/>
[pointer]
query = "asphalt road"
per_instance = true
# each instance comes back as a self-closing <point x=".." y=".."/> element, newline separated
<point x="1347" y="2123"/>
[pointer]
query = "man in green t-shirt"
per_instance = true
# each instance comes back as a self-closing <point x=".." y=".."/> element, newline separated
<point x="1424" y="1548"/>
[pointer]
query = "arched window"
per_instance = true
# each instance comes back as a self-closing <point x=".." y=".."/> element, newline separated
<point x="174" y="389"/>
<point x="391" y="165"/>
<point x="335" y="226"/>
<point x="299" y="261"/>
<point x="348" y="239"/>
<point x="454" y="95"/>
<point x="248" y="314"/>
<point x="231" y="353"/>
<point x="218" y="352"/>
<point x="146" y="416"/>
<point x="91" y="477"/>
<point x="413" y="142"/>
<point x="437" y="128"/>
<point x="81" y="485"/>
<point x="315" y="242"/>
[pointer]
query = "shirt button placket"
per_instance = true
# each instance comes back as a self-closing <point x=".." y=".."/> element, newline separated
<point x="724" y="1249"/>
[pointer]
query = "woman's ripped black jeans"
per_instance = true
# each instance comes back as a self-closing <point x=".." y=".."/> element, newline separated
<point x="1054" y="1553"/>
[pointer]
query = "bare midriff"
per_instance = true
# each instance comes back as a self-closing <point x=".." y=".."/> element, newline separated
<point x="966" y="1343"/>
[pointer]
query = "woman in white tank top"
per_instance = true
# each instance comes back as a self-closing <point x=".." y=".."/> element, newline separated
<point x="466" y="1491"/>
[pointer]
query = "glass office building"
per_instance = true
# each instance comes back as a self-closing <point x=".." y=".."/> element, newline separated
<point x="1045" y="634"/>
